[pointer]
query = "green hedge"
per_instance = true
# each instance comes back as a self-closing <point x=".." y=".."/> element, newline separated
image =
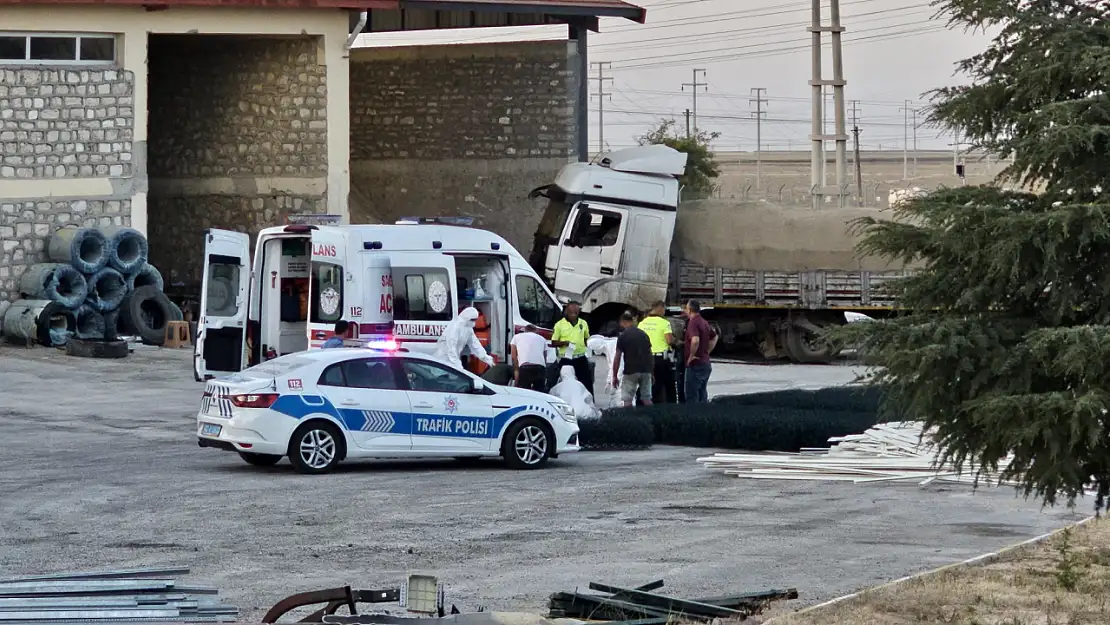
<point x="777" y="421"/>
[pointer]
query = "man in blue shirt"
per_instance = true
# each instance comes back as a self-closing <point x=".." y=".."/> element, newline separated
<point x="341" y="327"/>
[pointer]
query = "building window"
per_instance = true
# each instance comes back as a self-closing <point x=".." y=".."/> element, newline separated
<point x="57" y="49"/>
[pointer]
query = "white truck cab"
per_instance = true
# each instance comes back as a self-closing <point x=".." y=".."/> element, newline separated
<point x="395" y="284"/>
<point x="605" y="237"/>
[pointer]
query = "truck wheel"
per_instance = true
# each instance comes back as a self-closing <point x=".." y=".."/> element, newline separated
<point x="609" y="329"/>
<point x="806" y="347"/>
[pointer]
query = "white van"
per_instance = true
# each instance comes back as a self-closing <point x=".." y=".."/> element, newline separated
<point x="398" y="283"/>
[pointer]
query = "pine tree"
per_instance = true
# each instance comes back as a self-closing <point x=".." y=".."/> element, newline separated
<point x="1005" y="344"/>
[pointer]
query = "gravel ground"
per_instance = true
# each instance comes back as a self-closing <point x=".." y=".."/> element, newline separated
<point x="101" y="469"/>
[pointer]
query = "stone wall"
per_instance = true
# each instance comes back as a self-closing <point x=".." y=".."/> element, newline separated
<point x="460" y="130"/>
<point x="59" y="126"/>
<point x="238" y="139"/>
<point x="58" y="123"/>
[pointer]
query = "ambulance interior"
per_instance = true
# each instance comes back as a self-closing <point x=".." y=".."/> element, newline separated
<point x="482" y="282"/>
<point x="284" y="294"/>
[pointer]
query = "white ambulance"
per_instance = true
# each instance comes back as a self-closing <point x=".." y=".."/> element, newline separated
<point x="397" y="285"/>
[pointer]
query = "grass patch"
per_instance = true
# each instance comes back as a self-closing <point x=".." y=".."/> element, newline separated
<point x="1062" y="581"/>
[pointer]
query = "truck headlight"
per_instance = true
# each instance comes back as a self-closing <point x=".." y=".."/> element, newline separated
<point x="566" y="412"/>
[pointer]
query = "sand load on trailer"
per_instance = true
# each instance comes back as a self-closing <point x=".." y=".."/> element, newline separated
<point x="761" y="236"/>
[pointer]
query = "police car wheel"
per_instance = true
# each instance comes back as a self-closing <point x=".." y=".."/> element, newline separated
<point x="315" y="447"/>
<point x="527" y="445"/>
<point x="259" y="460"/>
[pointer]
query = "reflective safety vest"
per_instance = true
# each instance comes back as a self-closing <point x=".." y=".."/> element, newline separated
<point x="576" y="334"/>
<point x="657" y="329"/>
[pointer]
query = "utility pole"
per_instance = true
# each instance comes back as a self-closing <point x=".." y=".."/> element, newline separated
<point x="914" y="112"/>
<point x="759" y="113"/>
<point x="601" y="95"/>
<point x="694" y="86"/>
<point x="855" y="133"/>
<point x="906" y="140"/>
<point x="817" y="84"/>
<point x="687" y="114"/>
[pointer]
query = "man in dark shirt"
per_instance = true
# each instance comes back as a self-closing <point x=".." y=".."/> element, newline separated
<point x="700" y="340"/>
<point x="634" y="346"/>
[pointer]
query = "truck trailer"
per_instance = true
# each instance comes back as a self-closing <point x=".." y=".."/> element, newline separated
<point x="614" y="237"/>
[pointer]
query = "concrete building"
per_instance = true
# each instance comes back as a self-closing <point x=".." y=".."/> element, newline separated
<point x="173" y="116"/>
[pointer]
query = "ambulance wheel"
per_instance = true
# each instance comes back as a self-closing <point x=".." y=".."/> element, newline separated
<point x="315" y="447"/>
<point x="527" y="445"/>
<point x="259" y="460"/>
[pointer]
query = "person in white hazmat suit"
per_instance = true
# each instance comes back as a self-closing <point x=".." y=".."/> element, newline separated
<point x="570" y="390"/>
<point x="459" y="335"/>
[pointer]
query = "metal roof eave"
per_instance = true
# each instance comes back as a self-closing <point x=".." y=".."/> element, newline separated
<point x="601" y="8"/>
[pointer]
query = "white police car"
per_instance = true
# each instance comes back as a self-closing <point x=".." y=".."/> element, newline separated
<point x="322" y="406"/>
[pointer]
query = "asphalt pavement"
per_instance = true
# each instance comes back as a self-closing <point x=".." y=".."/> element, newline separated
<point x="101" y="469"/>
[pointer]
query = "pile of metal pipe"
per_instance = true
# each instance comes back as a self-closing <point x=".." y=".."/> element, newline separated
<point x="145" y="595"/>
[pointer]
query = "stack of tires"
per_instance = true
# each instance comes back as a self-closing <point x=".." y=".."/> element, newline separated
<point x="97" y="289"/>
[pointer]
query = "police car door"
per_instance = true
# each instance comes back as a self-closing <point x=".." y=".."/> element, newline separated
<point x="448" y="416"/>
<point x="375" y="408"/>
<point x="221" y="332"/>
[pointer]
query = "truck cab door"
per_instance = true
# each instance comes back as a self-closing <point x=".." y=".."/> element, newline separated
<point x="221" y="332"/>
<point x="592" y="246"/>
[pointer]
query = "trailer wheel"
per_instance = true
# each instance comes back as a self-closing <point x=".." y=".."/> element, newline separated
<point x="806" y="347"/>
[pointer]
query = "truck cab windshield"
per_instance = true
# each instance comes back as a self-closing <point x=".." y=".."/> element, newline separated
<point x="551" y="225"/>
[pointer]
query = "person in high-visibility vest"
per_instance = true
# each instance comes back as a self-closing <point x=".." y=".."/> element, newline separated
<point x="569" y="335"/>
<point x="658" y="329"/>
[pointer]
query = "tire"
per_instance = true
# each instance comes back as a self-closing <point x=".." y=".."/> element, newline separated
<point x="803" y="351"/>
<point x="259" y="460"/>
<point x="498" y="374"/>
<point x="310" y="435"/>
<point x="96" y="349"/>
<point x="146" y="311"/>
<point x="609" y="329"/>
<point x="527" y="430"/>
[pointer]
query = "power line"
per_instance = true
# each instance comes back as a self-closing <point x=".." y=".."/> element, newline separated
<point x="914" y="32"/>
<point x="768" y="29"/>
<point x="759" y="44"/>
<point x="781" y="9"/>
<point x="777" y="98"/>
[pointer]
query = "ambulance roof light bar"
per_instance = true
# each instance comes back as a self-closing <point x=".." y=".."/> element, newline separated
<point x="445" y="221"/>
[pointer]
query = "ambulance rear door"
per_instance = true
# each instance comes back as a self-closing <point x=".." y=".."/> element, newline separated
<point x="221" y="332"/>
<point x="424" y="297"/>
<point x="332" y="287"/>
<point x="375" y="315"/>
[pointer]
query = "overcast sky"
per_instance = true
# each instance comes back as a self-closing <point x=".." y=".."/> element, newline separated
<point x="893" y="52"/>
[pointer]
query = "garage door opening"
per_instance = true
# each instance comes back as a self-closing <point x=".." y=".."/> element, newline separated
<point x="237" y="139"/>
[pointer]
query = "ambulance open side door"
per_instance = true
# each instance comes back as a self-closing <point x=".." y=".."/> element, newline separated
<point x="221" y="332"/>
